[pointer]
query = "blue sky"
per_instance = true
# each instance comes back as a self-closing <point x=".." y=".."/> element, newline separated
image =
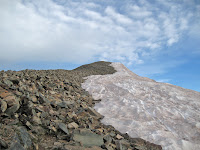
<point x="158" y="39"/>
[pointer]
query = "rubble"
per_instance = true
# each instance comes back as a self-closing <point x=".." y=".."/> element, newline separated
<point x="48" y="109"/>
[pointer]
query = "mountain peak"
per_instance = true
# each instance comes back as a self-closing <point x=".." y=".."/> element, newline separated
<point x="48" y="109"/>
<point x="161" y="113"/>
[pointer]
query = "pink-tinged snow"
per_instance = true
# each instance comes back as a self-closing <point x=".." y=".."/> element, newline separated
<point x="161" y="113"/>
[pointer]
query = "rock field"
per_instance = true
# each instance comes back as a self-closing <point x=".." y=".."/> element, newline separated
<point x="48" y="109"/>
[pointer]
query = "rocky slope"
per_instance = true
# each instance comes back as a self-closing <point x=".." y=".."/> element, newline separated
<point x="48" y="109"/>
<point x="161" y="113"/>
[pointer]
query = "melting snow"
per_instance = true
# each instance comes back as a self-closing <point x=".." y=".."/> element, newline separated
<point x="161" y="113"/>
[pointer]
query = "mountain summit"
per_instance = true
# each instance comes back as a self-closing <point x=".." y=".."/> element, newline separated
<point x="51" y="109"/>
<point x="48" y="109"/>
<point x="161" y="113"/>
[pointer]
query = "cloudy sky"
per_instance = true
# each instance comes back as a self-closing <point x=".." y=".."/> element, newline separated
<point x="155" y="38"/>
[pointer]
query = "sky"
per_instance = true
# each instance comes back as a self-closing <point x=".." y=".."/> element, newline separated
<point x="158" y="39"/>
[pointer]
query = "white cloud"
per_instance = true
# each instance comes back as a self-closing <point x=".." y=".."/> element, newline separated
<point x="87" y="31"/>
<point x="118" y="17"/>
<point x="140" y="12"/>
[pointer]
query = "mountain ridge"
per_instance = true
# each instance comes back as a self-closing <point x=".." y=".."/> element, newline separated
<point x="48" y="109"/>
<point x="148" y="109"/>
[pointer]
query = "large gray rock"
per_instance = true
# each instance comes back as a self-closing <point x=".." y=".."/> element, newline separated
<point x="63" y="127"/>
<point x="25" y="137"/>
<point x="11" y="110"/>
<point x="87" y="138"/>
<point x="21" y="140"/>
<point x="16" y="144"/>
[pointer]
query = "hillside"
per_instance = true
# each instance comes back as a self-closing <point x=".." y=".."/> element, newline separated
<point x="48" y="109"/>
<point x="161" y="113"/>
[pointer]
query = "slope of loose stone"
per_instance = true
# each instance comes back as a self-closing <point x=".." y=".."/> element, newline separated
<point x="42" y="109"/>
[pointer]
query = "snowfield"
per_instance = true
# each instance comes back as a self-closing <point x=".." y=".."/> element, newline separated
<point x="161" y="113"/>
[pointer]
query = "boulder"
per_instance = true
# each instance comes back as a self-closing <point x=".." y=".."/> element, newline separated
<point x="3" y="105"/>
<point x="70" y="147"/>
<point x="87" y="138"/>
<point x="25" y="138"/>
<point x="11" y="110"/>
<point x="63" y="127"/>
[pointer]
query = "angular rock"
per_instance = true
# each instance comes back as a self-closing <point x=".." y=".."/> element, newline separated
<point x="8" y="82"/>
<point x="72" y="125"/>
<point x="63" y="127"/>
<point x="5" y="75"/>
<point x="36" y="120"/>
<point x="28" y="124"/>
<point x="62" y="105"/>
<point x="24" y="135"/>
<point x="107" y="139"/>
<point x="11" y="110"/>
<point x="87" y="138"/>
<point x="94" y="113"/>
<point x="119" y="137"/>
<point x="10" y="99"/>
<point x="42" y="99"/>
<point x="3" y="105"/>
